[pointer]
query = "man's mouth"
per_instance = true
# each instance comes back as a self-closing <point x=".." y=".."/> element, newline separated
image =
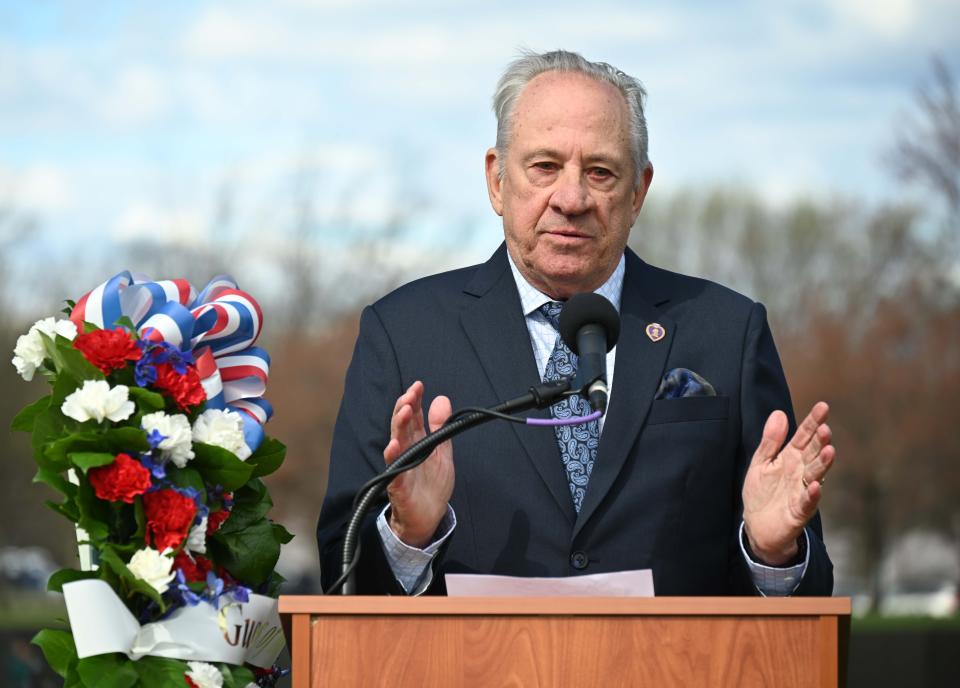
<point x="566" y="233"/>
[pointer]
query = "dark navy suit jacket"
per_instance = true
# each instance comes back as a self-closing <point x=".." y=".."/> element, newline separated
<point x="665" y="489"/>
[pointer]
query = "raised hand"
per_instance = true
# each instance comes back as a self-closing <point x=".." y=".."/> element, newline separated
<point x="782" y="488"/>
<point x="418" y="497"/>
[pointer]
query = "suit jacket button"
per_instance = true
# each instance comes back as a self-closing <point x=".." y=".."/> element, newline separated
<point x="579" y="561"/>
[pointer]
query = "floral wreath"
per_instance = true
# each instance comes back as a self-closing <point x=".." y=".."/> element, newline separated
<point x="152" y="432"/>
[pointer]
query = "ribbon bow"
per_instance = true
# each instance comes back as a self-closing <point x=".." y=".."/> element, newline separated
<point x="219" y="326"/>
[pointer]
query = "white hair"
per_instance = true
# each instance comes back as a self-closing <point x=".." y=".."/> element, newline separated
<point x="522" y="71"/>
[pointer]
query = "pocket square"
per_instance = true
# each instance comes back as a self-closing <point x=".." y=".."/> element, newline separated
<point x="682" y="382"/>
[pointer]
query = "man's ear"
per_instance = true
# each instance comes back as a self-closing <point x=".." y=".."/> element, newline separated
<point x="640" y="192"/>
<point x="494" y="182"/>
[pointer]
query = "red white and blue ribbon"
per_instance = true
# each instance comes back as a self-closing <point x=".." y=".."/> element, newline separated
<point x="219" y="325"/>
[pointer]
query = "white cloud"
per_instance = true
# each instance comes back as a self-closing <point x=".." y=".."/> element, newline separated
<point x="185" y="225"/>
<point x="888" y="18"/>
<point x="136" y="96"/>
<point x="42" y="187"/>
<point x="255" y="33"/>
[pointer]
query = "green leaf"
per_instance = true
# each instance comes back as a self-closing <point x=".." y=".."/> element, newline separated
<point x="235" y="676"/>
<point x="268" y="457"/>
<point x="67" y="509"/>
<point x="56" y="481"/>
<point x="250" y="555"/>
<point x="250" y="504"/>
<point x="24" y="421"/>
<point x="282" y="534"/>
<point x="56" y="581"/>
<point x="146" y="400"/>
<point x="58" y="649"/>
<point x="46" y="428"/>
<point x="126" y="323"/>
<point x="126" y="439"/>
<point x="63" y="386"/>
<point x="73" y="679"/>
<point x="160" y="672"/>
<point x="95" y="514"/>
<point x="220" y="467"/>
<point x="276" y="581"/>
<point x="56" y="454"/>
<point x="186" y="477"/>
<point x="69" y="360"/>
<point x="87" y="460"/>
<point x="108" y="671"/>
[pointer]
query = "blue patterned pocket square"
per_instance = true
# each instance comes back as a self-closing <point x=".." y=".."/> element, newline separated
<point x="681" y="382"/>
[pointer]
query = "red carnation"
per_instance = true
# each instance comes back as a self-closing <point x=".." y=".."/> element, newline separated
<point x="120" y="481"/>
<point x="107" y="349"/>
<point x="189" y="682"/>
<point x="194" y="569"/>
<point x="185" y="389"/>
<point x="169" y="517"/>
<point x="215" y="519"/>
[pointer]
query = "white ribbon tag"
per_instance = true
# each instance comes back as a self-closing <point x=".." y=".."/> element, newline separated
<point x="234" y="634"/>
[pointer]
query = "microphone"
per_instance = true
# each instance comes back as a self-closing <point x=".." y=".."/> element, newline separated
<point x="590" y="326"/>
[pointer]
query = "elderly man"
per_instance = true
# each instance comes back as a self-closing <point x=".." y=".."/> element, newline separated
<point x="689" y="473"/>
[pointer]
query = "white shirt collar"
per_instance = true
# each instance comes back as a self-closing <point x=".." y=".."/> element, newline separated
<point x="532" y="298"/>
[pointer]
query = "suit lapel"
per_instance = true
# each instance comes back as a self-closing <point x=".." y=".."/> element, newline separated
<point x="494" y="324"/>
<point x="639" y="368"/>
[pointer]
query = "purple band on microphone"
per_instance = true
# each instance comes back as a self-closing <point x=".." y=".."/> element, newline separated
<point x="575" y="420"/>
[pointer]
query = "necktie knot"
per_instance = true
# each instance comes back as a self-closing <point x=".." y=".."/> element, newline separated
<point x="551" y="311"/>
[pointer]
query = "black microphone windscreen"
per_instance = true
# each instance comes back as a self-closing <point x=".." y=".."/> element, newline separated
<point x="584" y="309"/>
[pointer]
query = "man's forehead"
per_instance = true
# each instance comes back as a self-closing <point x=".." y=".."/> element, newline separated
<point x="559" y="108"/>
<point x="559" y="89"/>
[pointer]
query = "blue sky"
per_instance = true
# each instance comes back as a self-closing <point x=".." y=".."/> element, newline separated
<point x="123" y="120"/>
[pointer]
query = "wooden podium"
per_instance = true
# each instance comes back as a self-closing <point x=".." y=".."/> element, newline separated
<point x="569" y="641"/>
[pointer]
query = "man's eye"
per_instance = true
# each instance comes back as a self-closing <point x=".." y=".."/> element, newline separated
<point x="600" y="173"/>
<point x="546" y="166"/>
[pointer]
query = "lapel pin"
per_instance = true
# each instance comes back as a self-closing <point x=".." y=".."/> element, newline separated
<point x="656" y="332"/>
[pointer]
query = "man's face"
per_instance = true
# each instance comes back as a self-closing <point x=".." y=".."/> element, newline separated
<point x="568" y="195"/>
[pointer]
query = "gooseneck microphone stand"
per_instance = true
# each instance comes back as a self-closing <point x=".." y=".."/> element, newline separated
<point x="538" y="397"/>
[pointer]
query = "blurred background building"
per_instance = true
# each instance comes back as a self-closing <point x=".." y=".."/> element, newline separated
<point x="807" y="153"/>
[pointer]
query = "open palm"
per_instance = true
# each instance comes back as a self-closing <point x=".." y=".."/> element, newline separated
<point x="783" y="487"/>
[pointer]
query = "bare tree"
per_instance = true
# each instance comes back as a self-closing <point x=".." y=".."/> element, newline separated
<point x="927" y="148"/>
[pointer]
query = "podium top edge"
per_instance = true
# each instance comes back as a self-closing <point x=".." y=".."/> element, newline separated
<point x="566" y="606"/>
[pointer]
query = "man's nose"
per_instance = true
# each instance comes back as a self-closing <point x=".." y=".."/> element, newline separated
<point x="572" y="195"/>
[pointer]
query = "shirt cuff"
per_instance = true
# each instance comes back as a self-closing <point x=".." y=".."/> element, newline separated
<point x="775" y="581"/>
<point x="411" y="565"/>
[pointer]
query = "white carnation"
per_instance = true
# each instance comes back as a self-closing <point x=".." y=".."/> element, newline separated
<point x="177" y="443"/>
<point x="153" y="567"/>
<point x="205" y="675"/>
<point x="29" y="353"/>
<point x="197" y="539"/>
<point x="222" y="429"/>
<point x="97" y="400"/>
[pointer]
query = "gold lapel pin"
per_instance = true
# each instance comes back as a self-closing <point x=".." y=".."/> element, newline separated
<point x="656" y="332"/>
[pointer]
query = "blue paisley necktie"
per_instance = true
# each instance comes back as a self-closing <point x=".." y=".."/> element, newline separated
<point x="578" y="443"/>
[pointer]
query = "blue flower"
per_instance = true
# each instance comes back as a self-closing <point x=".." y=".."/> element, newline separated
<point x="187" y="595"/>
<point x="157" y="470"/>
<point x="214" y="589"/>
<point x="155" y="437"/>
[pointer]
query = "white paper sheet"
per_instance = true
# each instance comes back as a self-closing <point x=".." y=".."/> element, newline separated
<point x="618" y="584"/>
